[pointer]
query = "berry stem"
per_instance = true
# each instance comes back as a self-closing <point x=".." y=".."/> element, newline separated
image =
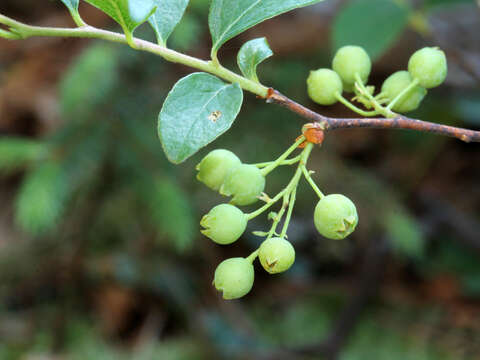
<point x="251" y="258"/>
<point x="352" y="107"/>
<point x="291" y="161"/>
<point x="309" y="179"/>
<point x="283" y="157"/>
<point x="291" y="204"/>
<point x="279" y="216"/>
<point x="379" y="108"/>
<point x="267" y="206"/>
<point x="404" y="92"/>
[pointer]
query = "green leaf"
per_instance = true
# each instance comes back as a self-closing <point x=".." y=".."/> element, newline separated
<point x="251" y="54"/>
<point x="170" y="211"/>
<point x="372" y="24"/>
<point x="16" y="153"/>
<point x="72" y="5"/>
<point x="166" y="17"/>
<point x="88" y="81"/>
<point x="128" y="13"/>
<point x="198" y="109"/>
<point x="41" y="199"/>
<point x="228" y="18"/>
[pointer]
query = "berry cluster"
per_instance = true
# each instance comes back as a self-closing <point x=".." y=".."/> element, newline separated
<point x="402" y="92"/>
<point x="335" y="216"/>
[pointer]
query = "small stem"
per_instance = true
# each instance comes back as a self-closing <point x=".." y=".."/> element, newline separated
<point x="279" y="216"/>
<point x="282" y="157"/>
<point x="267" y="206"/>
<point x="291" y="204"/>
<point x="291" y="161"/>
<point x="379" y="108"/>
<point x="77" y="18"/>
<point x="352" y="107"/>
<point x="404" y="92"/>
<point x="253" y="256"/>
<point x="8" y="35"/>
<point x="309" y="179"/>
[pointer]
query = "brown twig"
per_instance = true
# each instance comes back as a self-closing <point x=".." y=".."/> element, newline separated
<point x="398" y="122"/>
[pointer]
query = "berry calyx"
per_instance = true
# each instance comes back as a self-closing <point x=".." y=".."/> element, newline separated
<point x="335" y="216"/>
<point x="429" y="66"/>
<point x="323" y="85"/>
<point x="352" y="60"/>
<point x="215" y="166"/>
<point x="224" y="224"/>
<point x="276" y="255"/>
<point x="234" y="278"/>
<point x="245" y="183"/>
<point x="395" y="84"/>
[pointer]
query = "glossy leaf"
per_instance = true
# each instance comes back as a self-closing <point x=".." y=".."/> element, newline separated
<point x="229" y="18"/>
<point x="128" y="13"/>
<point x="251" y="54"/>
<point x="373" y="24"/>
<point x="166" y="17"/>
<point x="198" y="109"/>
<point x="72" y="5"/>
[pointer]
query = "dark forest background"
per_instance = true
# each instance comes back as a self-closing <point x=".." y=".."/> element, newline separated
<point x="100" y="251"/>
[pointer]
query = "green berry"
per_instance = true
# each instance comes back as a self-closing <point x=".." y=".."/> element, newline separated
<point x="395" y="84"/>
<point x="322" y="85"/>
<point x="245" y="183"/>
<point x="350" y="60"/>
<point x="429" y="66"/>
<point x="224" y="224"/>
<point x="234" y="278"/>
<point x="276" y="255"/>
<point x="215" y="166"/>
<point x="335" y="216"/>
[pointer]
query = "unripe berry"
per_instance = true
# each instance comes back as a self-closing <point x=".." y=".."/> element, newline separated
<point x="429" y="66"/>
<point x="245" y="183"/>
<point x="215" y="166"/>
<point x="335" y="216"/>
<point x="395" y="84"/>
<point x="224" y="224"/>
<point x="350" y="60"/>
<point x="322" y="85"/>
<point x="276" y="255"/>
<point x="234" y="278"/>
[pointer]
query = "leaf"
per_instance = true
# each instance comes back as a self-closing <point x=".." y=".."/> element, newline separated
<point x="88" y="81"/>
<point x="16" y="153"/>
<point x="198" y="109"/>
<point x="228" y="18"/>
<point x="166" y="17"/>
<point x="41" y="199"/>
<point x="72" y="5"/>
<point x="128" y="13"/>
<point x="170" y="211"/>
<point x="372" y="24"/>
<point x="251" y="54"/>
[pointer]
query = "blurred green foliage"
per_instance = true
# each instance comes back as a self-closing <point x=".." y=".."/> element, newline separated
<point x="98" y="205"/>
